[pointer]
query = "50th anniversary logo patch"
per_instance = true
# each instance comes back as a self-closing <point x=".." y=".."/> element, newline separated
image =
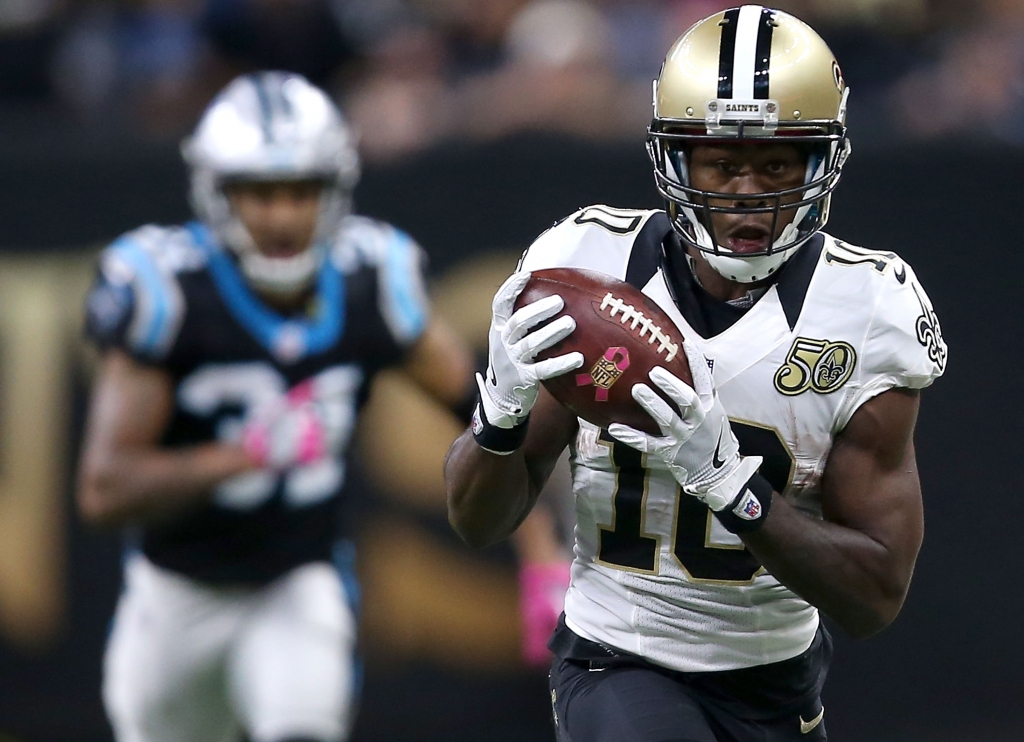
<point x="819" y="365"/>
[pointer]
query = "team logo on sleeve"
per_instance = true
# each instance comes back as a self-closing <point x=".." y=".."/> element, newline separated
<point x="929" y="334"/>
<point x="109" y="307"/>
<point x="819" y="365"/>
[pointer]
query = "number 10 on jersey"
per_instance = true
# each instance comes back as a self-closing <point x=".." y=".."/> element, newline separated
<point x="626" y="546"/>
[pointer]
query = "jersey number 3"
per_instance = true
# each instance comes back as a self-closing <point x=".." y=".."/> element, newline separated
<point x="624" y="545"/>
<point x="228" y="393"/>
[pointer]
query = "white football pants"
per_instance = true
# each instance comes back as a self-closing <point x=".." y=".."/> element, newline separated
<point x="188" y="662"/>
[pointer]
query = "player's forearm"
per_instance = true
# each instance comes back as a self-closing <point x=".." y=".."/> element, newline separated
<point x="145" y="484"/>
<point x="488" y="495"/>
<point x="851" y="577"/>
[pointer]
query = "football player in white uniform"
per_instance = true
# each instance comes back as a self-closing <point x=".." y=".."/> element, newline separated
<point x="784" y="481"/>
<point x="237" y="352"/>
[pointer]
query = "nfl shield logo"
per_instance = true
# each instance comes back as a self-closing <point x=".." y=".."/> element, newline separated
<point x="749" y="508"/>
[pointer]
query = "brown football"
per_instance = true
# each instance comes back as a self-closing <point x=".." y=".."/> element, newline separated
<point x="622" y="335"/>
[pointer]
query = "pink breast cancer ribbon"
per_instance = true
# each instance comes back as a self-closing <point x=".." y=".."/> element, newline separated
<point x="605" y="372"/>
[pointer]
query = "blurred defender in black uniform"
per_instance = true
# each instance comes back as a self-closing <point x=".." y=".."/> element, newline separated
<point x="237" y="352"/>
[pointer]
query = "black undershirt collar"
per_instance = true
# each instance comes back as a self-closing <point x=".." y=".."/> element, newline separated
<point x="710" y="316"/>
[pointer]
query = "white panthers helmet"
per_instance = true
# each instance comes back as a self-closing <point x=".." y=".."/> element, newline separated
<point x="272" y="126"/>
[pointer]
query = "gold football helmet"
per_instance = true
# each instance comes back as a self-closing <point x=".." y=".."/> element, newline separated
<point x="749" y="73"/>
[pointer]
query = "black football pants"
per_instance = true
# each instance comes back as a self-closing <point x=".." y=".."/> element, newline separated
<point x="629" y="700"/>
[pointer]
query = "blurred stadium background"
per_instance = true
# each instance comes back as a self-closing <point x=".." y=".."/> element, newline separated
<point x="481" y="122"/>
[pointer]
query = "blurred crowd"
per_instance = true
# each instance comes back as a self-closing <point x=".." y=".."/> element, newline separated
<point x="412" y="73"/>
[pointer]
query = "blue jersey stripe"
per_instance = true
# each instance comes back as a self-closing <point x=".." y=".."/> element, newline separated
<point x="157" y="298"/>
<point x="344" y="558"/>
<point x="403" y="290"/>
<point x="288" y="339"/>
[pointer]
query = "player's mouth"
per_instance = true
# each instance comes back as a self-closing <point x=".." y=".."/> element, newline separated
<point x="281" y="249"/>
<point x="748" y="238"/>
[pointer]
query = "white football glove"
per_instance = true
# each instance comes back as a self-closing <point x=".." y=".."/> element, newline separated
<point x="513" y="378"/>
<point x="697" y="444"/>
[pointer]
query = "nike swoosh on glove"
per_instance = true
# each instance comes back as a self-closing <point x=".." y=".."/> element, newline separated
<point x="513" y="376"/>
<point x="697" y="444"/>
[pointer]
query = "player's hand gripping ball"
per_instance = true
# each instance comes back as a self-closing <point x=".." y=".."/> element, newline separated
<point x="622" y="335"/>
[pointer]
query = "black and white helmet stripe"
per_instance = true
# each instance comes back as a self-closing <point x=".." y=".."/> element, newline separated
<point x="273" y="103"/>
<point x="745" y="53"/>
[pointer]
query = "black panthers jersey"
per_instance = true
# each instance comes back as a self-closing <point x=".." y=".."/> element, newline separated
<point x="171" y="297"/>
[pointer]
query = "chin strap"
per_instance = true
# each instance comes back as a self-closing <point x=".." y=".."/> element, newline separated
<point x="275" y="276"/>
<point x="282" y="275"/>
<point x="723" y="260"/>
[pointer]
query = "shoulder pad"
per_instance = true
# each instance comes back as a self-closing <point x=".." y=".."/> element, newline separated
<point x="596" y="237"/>
<point x="171" y="249"/>
<point x="903" y="344"/>
<point x="361" y="242"/>
<point x="399" y="263"/>
<point x="140" y="271"/>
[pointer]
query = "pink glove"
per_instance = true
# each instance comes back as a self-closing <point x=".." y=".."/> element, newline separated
<point x="541" y="600"/>
<point x="289" y="433"/>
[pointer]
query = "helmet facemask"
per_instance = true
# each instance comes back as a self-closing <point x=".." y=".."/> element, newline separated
<point x="274" y="276"/>
<point x="690" y="209"/>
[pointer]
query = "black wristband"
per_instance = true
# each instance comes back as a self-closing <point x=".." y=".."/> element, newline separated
<point x="494" y="439"/>
<point x="750" y="508"/>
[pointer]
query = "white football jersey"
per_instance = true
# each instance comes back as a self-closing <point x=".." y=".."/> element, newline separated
<point x="655" y="573"/>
